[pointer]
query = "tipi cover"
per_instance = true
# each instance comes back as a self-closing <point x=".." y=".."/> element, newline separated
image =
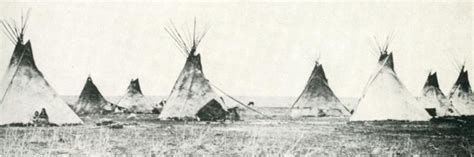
<point x="434" y="100"/>
<point x="317" y="98"/>
<point x="25" y="91"/>
<point x="386" y="98"/>
<point x="134" y="100"/>
<point x="192" y="91"/>
<point x="461" y="96"/>
<point x="91" y="100"/>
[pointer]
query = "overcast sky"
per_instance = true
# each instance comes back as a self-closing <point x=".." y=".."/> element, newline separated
<point x="253" y="49"/>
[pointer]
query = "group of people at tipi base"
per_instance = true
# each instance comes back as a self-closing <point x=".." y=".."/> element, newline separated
<point x="41" y="118"/>
<point x="194" y="97"/>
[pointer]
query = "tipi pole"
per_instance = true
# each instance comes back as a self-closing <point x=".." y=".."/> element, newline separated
<point x="294" y="103"/>
<point x="11" y="80"/>
<point x="241" y="103"/>
<point x="371" y="79"/>
<point x="299" y="97"/>
<point x="121" y="98"/>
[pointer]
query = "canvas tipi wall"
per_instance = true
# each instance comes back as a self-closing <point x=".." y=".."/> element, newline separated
<point x="433" y="99"/>
<point x="461" y="96"/>
<point x="317" y="98"/>
<point x="192" y="96"/>
<point x="386" y="98"/>
<point x="134" y="100"/>
<point x="190" y="93"/>
<point x="24" y="91"/>
<point x="91" y="100"/>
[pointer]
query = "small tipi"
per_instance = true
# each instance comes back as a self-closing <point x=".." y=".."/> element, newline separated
<point x="385" y="97"/>
<point x="24" y="92"/>
<point x="434" y="100"/>
<point x="317" y="98"/>
<point x="192" y="96"/>
<point x="134" y="100"/>
<point x="461" y="96"/>
<point x="91" y="100"/>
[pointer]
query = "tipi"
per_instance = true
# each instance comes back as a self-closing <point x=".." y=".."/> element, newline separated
<point x="24" y="90"/>
<point x="385" y="97"/>
<point x="461" y="96"/>
<point x="192" y="96"/>
<point x="91" y="100"/>
<point x="317" y="98"/>
<point x="134" y="100"/>
<point x="433" y="98"/>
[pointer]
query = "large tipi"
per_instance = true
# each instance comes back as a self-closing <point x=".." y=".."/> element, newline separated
<point x="385" y="97"/>
<point x="434" y="100"/>
<point x="461" y="96"/>
<point x="91" y="100"/>
<point x="134" y="100"/>
<point x="24" y="90"/>
<point x="317" y="98"/>
<point x="192" y="96"/>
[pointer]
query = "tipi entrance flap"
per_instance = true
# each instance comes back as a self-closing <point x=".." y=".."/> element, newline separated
<point x="433" y="98"/>
<point x="190" y="93"/>
<point x="212" y="111"/>
<point x="191" y="90"/>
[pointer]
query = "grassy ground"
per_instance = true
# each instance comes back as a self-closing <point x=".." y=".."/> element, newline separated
<point x="254" y="136"/>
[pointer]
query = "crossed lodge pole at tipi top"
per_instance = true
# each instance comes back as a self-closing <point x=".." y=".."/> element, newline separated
<point x="189" y="48"/>
<point x="384" y="97"/>
<point x="16" y="37"/>
<point x="26" y="91"/>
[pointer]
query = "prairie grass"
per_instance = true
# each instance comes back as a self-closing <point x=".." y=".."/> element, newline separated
<point x="310" y="137"/>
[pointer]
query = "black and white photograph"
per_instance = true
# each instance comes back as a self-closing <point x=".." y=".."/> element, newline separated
<point x="236" y="78"/>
